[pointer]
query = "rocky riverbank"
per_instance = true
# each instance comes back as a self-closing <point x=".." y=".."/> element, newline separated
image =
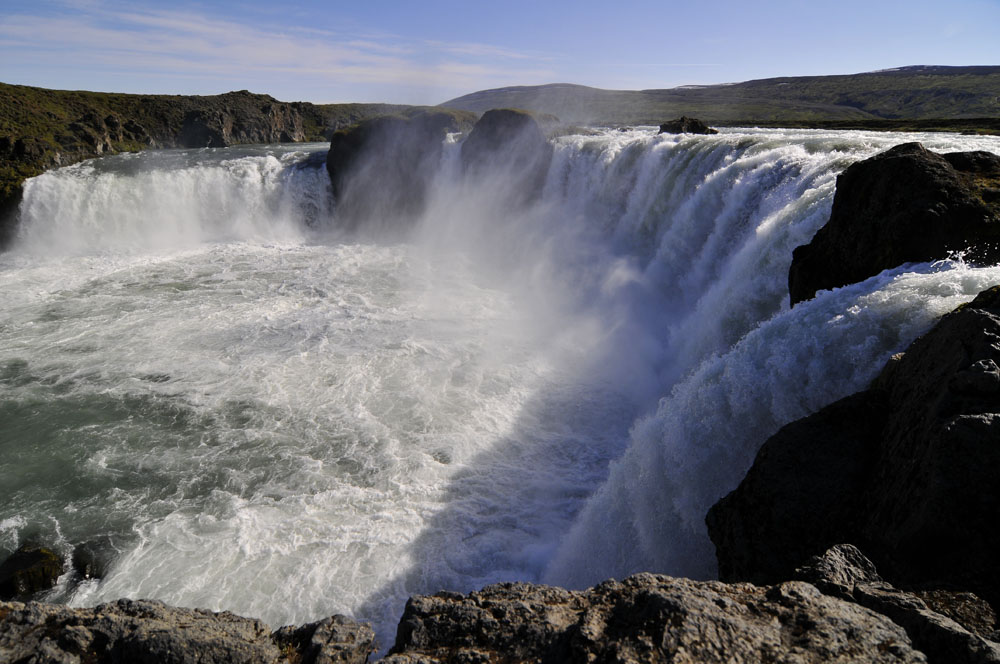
<point x="836" y="608"/>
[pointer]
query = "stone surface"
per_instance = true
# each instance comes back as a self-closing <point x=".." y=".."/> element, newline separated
<point x="686" y="125"/>
<point x="92" y="559"/>
<point x="381" y="168"/>
<point x="837" y="609"/>
<point x="906" y="470"/>
<point x="29" y="570"/>
<point x="234" y="121"/>
<point x="507" y="149"/>
<point x="646" y="618"/>
<point x="148" y="632"/>
<point x="846" y="572"/>
<point x="904" y="205"/>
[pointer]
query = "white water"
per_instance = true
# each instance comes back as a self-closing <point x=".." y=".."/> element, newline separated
<point x="273" y="417"/>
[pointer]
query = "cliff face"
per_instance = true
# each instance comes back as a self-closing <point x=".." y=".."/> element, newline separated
<point x="42" y="129"/>
<point x="906" y="470"/>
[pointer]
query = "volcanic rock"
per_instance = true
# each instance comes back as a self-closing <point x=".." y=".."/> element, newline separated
<point x="686" y="125"/>
<point x="508" y="149"/>
<point x="904" y="205"/>
<point x="149" y="632"/>
<point x="962" y="632"/>
<point x="646" y="618"/>
<point x="92" y="559"/>
<point x="242" y="118"/>
<point x="906" y="470"/>
<point x="381" y="168"/>
<point x="29" y="570"/>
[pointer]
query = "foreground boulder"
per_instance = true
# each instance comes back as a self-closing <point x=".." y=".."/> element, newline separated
<point x="906" y="470"/>
<point x="647" y="618"/>
<point x="148" y="632"/>
<point x="904" y="205"/>
<point x="29" y="570"/>
<point x="686" y="125"/>
<point x="381" y="168"/>
<point x="948" y="627"/>
<point x="507" y="149"/>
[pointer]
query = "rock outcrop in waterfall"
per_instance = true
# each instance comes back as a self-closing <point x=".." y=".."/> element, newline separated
<point x="907" y="204"/>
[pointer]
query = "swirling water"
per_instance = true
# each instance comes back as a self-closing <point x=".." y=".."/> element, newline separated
<point x="258" y="411"/>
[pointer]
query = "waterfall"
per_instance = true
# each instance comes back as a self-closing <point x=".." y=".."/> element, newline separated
<point x="251" y="407"/>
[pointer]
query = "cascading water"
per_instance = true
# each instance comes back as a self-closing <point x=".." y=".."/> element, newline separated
<point x="256" y="411"/>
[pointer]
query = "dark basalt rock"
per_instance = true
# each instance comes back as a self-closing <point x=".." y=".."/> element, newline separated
<point x="149" y="632"/>
<point x="29" y="570"/>
<point x="646" y="618"/>
<point x="508" y="149"/>
<point x="381" y="168"/>
<point x="241" y="118"/>
<point x="92" y="559"/>
<point x="904" y="205"/>
<point x="686" y="125"/>
<point x="906" y="470"/>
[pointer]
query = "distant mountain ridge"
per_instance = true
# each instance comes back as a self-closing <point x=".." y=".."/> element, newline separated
<point x="918" y="92"/>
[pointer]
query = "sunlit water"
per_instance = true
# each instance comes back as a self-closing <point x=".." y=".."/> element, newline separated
<point x="261" y="413"/>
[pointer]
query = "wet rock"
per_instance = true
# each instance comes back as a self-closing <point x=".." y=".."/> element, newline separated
<point x="646" y="618"/>
<point x="686" y="125"/>
<point x="904" y="205"/>
<point x="92" y="559"/>
<point x="142" y="631"/>
<point x="29" y="570"/>
<point x="381" y="168"/>
<point x="906" y="470"/>
<point x="508" y="150"/>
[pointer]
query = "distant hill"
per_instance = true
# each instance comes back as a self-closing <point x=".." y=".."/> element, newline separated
<point x="905" y="93"/>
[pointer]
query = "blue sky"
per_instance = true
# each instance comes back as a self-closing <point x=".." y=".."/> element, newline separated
<point x="428" y="51"/>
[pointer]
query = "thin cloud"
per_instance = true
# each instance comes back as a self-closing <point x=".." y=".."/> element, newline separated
<point x="182" y="43"/>
<point x="486" y="50"/>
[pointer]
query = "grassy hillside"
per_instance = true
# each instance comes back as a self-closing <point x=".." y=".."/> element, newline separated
<point x="908" y="93"/>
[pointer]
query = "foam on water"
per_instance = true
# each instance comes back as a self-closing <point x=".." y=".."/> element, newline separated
<point x="262" y="414"/>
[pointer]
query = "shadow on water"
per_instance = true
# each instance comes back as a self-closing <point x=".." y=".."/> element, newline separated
<point x="503" y="513"/>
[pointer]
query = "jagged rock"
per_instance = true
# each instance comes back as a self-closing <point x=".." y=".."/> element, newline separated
<point x="241" y="118"/>
<point x="92" y="559"/>
<point x="904" y="205"/>
<point x="381" y="168"/>
<point x="686" y="125"/>
<point x="29" y="570"/>
<point x="646" y="618"/>
<point x="143" y="631"/>
<point x="906" y="470"/>
<point x="847" y="573"/>
<point x="508" y="149"/>
<point x="838" y="571"/>
<point x="967" y="609"/>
